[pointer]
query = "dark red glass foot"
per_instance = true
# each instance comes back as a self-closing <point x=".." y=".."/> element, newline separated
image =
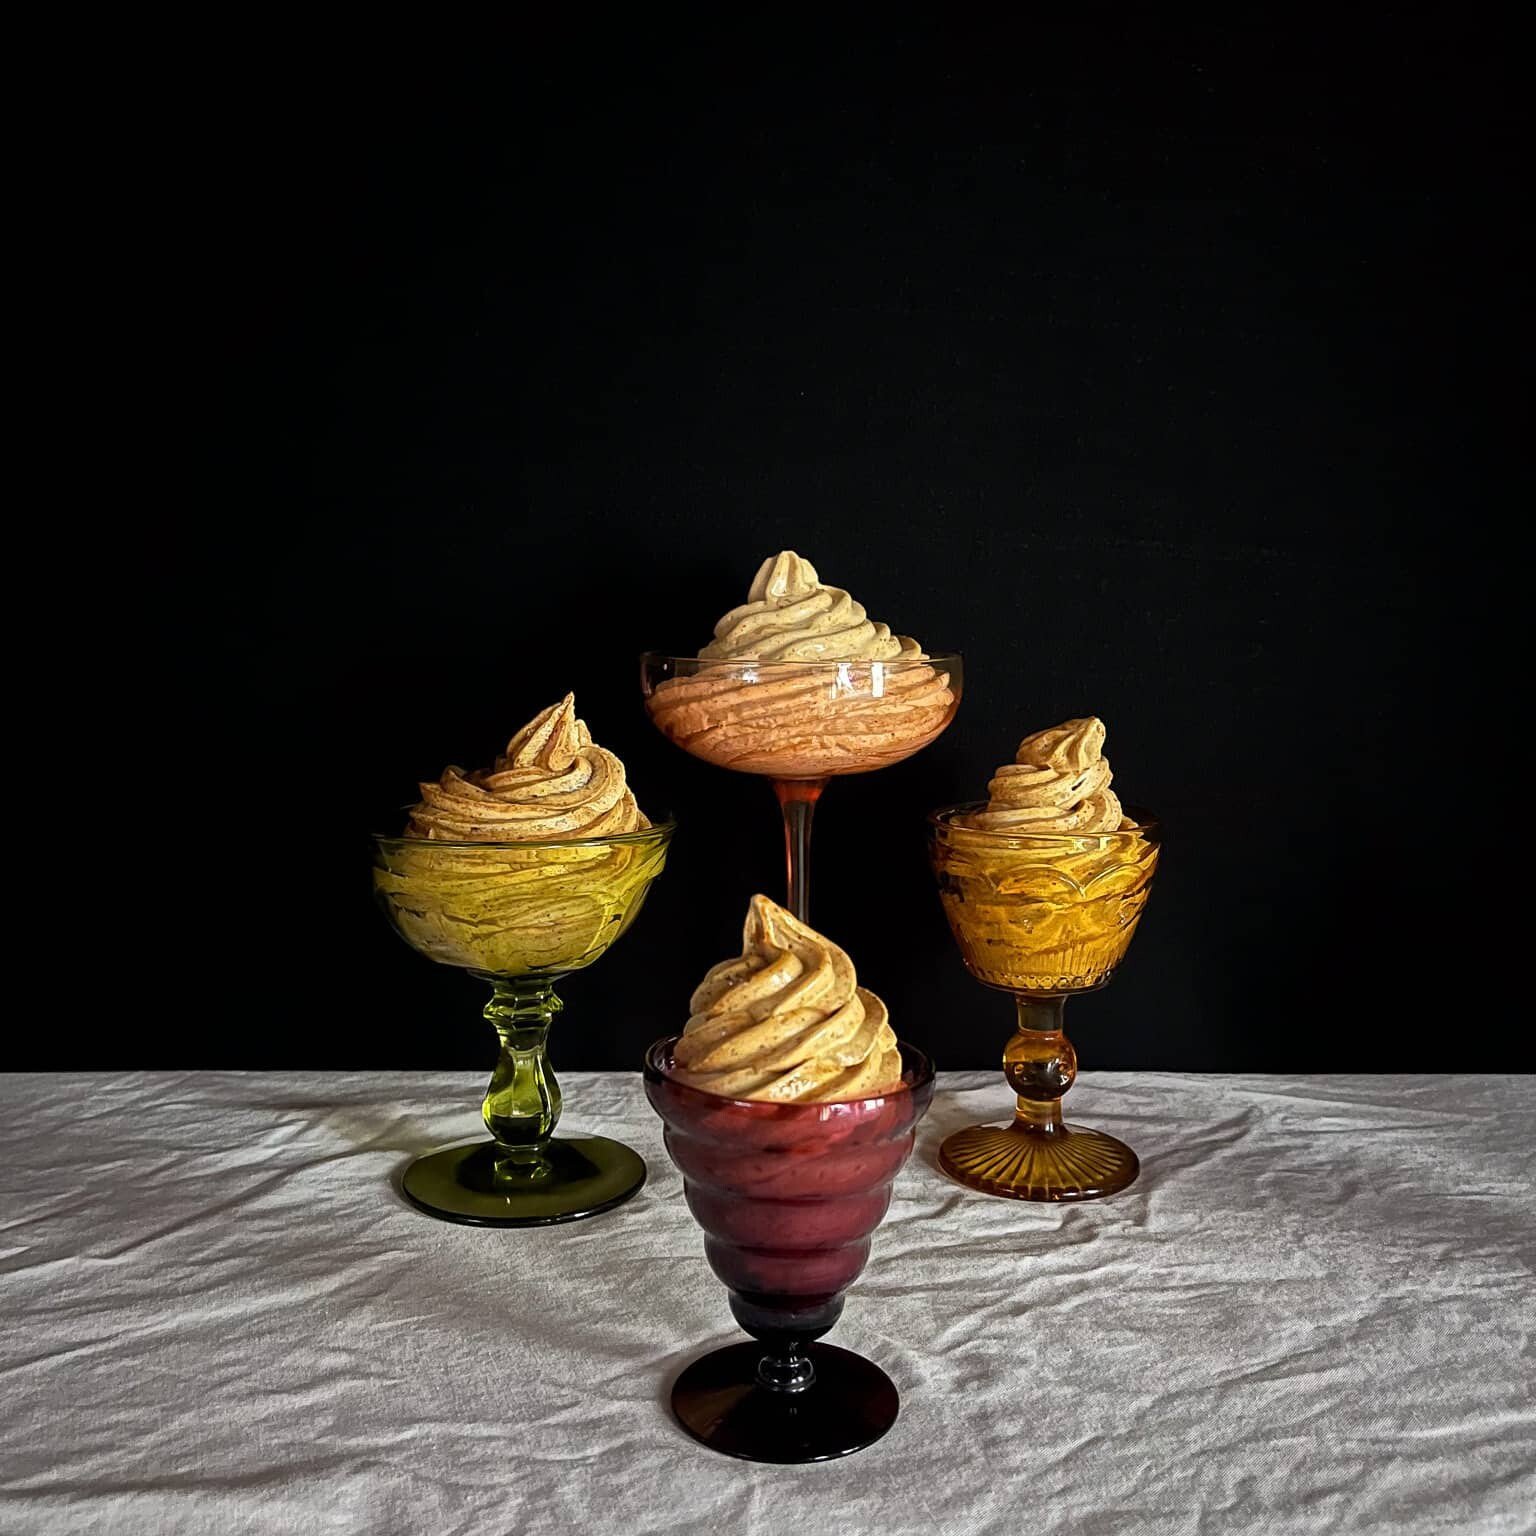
<point x="722" y="1402"/>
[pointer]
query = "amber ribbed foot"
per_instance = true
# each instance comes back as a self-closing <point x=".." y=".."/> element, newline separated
<point x="1070" y="1162"/>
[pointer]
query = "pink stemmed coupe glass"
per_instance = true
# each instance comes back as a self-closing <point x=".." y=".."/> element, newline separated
<point x="801" y="723"/>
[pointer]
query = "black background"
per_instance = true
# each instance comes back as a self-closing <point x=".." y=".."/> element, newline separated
<point x="1170" y="377"/>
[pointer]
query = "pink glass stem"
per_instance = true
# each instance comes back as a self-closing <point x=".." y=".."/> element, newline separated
<point x="797" y="800"/>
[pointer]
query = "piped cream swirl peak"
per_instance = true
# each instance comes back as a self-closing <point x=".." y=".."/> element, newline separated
<point x="786" y="1021"/>
<point x="790" y="616"/>
<point x="1058" y="781"/>
<point x="553" y="781"/>
<point x="493" y="873"/>
<point x="1044" y="887"/>
<point x="799" y="683"/>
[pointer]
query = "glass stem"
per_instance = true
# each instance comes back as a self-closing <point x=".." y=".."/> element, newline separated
<point x="1040" y="1065"/>
<point x="787" y="1368"/>
<point x="522" y="1102"/>
<point x="797" y="801"/>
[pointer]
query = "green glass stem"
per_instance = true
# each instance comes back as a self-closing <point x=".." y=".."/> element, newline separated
<point x="1040" y="1064"/>
<point x="522" y="1102"/>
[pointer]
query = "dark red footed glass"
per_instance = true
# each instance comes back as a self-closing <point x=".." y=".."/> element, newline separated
<point x="789" y="1196"/>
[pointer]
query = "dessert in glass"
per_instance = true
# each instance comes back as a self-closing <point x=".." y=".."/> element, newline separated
<point x="521" y="875"/>
<point x="800" y="686"/>
<point x="1043" y="885"/>
<point x="789" y="1109"/>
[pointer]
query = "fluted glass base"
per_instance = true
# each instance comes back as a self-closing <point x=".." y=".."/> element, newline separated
<point x="721" y="1401"/>
<point x="579" y="1176"/>
<point x="1068" y="1162"/>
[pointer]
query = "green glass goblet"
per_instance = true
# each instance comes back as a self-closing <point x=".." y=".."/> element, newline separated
<point x="520" y="916"/>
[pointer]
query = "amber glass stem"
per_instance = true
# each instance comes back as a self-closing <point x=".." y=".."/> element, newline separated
<point x="522" y="1102"/>
<point x="797" y="800"/>
<point x="1040" y="1065"/>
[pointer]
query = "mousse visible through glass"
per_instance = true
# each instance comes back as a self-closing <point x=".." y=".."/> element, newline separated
<point x="789" y="1196"/>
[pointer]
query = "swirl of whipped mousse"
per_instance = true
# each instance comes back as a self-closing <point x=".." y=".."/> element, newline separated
<point x="790" y="616"/>
<point x="786" y="1021"/>
<point x="803" y="717"/>
<point x="1058" y="781"/>
<point x="493" y="873"/>
<point x="552" y="782"/>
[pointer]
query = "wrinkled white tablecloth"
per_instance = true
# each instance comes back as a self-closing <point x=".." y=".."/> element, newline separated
<point x="1313" y="1312"/>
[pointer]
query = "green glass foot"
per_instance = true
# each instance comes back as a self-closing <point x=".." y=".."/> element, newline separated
<point x="582" y="1176"/>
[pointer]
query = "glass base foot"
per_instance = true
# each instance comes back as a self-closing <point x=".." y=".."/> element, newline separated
<point x="585" y="1175"/>
<point x="1072" y="1163"/>
<point x="719" y="1401"/>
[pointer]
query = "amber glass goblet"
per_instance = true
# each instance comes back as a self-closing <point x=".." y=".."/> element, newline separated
<point x="1044" y="916"/>
<point x="800" y="723"/>
<point x="789" y="1196"/>
<point x="520" y="916"/>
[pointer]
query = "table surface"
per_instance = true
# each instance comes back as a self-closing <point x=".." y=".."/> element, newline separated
<point x="1313" y="1312"/>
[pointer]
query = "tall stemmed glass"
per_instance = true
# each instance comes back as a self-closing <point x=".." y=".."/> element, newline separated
<point x="799" y="724"/>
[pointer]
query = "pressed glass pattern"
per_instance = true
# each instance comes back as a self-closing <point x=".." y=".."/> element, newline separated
<point x="1044" y="916"/>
